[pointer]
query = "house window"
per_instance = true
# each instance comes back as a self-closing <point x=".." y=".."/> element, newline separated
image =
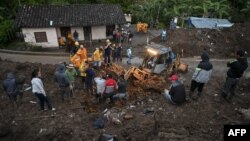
<point x="40" y="37"/>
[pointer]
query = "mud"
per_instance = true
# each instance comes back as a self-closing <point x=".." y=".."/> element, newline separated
<point x="148" y="115"/>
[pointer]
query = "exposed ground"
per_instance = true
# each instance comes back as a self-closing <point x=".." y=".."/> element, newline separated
<point x="148" y="116"/>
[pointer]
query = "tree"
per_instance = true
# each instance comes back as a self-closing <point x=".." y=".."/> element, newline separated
<point x="179" y="9"/>
<point x="203" y="7"/>
<point x="246" y="10"/>
<point x="146" y="12"/>
<point x="221" y="8"/>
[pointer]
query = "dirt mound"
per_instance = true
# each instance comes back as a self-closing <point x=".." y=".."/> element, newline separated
<point x="220" y="43"/>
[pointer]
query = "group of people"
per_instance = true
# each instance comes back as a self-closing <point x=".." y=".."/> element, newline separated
<point x="122" y="36"/>
<point x="102" y="56"/>
<point x="177" y="94"/>
<point x="96" y="83"/>
<point x="103" y="86"/>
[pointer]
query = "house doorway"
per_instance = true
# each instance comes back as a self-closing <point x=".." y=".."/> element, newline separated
<point x="87" y="33"/>
<point x="65" y="31"/>
<point x="109" y="30"/>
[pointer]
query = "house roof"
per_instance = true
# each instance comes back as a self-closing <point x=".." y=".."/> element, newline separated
<point x="210" y="22"/>
<point x="69" y="15"/>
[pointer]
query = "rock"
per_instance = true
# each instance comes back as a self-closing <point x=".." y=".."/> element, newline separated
<point x="116" y="121"/>
<point x="245" y="113"/>
<point x="128" y="116"/>
<point x="170" y="135"/>
<point x="150" y="100"/>
<point x="148" y="110"/>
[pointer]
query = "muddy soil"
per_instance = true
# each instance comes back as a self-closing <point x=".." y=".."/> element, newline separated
<point x="146" y="115"/>
<point x="221" y="43"/>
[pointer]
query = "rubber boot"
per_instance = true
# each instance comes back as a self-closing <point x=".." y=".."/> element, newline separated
<point x="199" y="94"/>
<point x="189" y="96"/>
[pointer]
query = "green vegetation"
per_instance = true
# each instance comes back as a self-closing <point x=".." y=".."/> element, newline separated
<point x="153" y="12"/>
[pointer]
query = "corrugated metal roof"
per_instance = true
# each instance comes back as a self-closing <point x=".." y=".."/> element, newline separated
<point x="210" y="23"/>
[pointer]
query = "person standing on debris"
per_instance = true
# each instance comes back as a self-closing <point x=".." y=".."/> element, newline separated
<point x="129" y="54"/>
<point x="71" y="74"/>
<point x="201" y="75"/>
<point x="82" y="51"/>
<point x="163" y="35"/>
<point x="110" y="87"/>
<point x="114" y="52"/>
<point x="10" y="88"/>
<point x="100" y="86"/>
<point x="235" y="72"/>
<point x="38" y="89"/>
<point x="97" y="58"/>
<point x="176" y="94"/>
<point x="118" y="36"/>
<point x="107" y="53"/>
<point x="101" y="56"/>
<point x="119" y="52"/>
<point x="130" y="36"/>
<point x="75" y="35"/>
<point x="122" y="89"/>
<point x="63" y="81"/>
<point x="172" y="55"/>
<point x="82" y="72"/>
<point x="171" y="24"/>
<point x="90" y="75"/>
<point x="114" y="34"/>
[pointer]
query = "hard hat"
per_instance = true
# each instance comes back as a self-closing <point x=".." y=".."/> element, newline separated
<point x="77" y="43"/>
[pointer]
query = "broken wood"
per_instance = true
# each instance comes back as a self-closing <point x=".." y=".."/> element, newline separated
<point x="40" y="117"/>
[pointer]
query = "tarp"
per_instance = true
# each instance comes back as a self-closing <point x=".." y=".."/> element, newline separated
<point x="210" y="23"/>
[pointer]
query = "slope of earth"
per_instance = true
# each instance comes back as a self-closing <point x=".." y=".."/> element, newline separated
<point x="221" y="43"/>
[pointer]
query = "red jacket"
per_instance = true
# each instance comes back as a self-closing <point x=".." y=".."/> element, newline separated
<point x="110" y="86"/>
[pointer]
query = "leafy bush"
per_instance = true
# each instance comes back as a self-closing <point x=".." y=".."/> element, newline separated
<point x="5" y="27"/>
<point x="22" y="46"/>
<point x="37" y="48"/>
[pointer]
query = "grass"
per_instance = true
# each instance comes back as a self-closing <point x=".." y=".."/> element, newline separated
<point x="22" y="46"/>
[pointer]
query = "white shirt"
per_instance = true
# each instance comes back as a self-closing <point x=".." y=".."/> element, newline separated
<point x="129" y="52"/>
<point x="100" y="85"/>
<point x="37" y="86"/>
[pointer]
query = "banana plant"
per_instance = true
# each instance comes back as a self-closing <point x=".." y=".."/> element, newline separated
<point x="179" y="9"/>
<point x="145" y="11"/>
<point x="221" y="8"/>
<point x="204" y="7"/>
<point x="246" y="9"/>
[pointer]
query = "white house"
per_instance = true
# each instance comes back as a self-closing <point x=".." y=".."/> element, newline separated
<point x="43" y="24"/>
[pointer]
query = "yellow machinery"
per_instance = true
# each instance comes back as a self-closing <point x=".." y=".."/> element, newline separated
<point x="157" y="59"/>
<point x="142" y="27"/>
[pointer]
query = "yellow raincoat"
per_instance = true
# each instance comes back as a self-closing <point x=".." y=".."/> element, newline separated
<point x="97" y="55"/>
<point x="82" y="69"/>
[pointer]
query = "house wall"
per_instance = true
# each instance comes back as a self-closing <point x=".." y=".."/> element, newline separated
<point x="58" y="32"/>
<point x="51" y="33"/>
<point x="98" y="32"/>
<point x="128" y="18"/>
<point x="80" y="32"/>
